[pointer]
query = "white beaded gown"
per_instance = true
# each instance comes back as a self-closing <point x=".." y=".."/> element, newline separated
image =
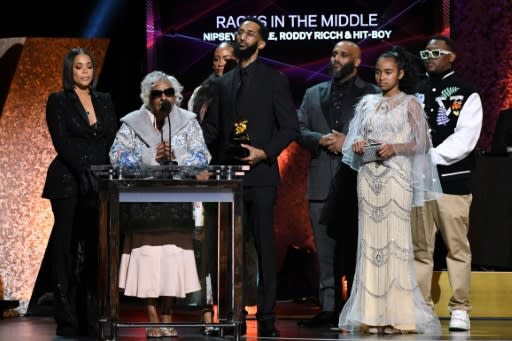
<point x="385" y="291"/>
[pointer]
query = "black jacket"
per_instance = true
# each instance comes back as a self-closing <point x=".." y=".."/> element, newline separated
<point x="445" y="98"/>
<point x="78" y="145"/>
<point x="272" y="119"/>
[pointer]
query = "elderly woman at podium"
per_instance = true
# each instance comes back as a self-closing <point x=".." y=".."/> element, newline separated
<point x="158" y="261"/>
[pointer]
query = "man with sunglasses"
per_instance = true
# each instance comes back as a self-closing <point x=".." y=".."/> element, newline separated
<point x="255" y="98"/>
<point x="454" y="112"/>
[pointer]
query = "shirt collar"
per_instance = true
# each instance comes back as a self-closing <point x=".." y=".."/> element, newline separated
<point x="249" y="68"/>
<point x="442" y="75"/>
<point x="337" y="85"/>
<point x="151" y="116"/>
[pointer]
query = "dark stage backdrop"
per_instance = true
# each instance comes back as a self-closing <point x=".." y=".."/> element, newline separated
<point x="181" y="37"/>
<point x="302" y="34"/>
<point x="483" y="31"/>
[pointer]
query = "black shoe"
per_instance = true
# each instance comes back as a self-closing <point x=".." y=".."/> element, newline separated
<point x="268" y="331"/>
<point x="64" y="310"/>
<point x="243" y="328"/>
<point x="66" y="331"/>
<point x="231" y="330"/>
<point x="324" y="319"/>
<point x="266" y="328"/>
<point x="273" y="332"/>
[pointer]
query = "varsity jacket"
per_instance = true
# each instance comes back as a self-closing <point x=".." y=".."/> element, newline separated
<point x="454" y="112"/>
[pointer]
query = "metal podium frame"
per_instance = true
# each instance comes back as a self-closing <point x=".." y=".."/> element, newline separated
<point x="113" y="191"/>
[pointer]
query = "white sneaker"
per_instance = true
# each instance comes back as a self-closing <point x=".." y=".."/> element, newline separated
<point x="459" y="321"/>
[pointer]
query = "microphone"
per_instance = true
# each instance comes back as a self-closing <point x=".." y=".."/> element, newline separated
<point x="166" y="107"/>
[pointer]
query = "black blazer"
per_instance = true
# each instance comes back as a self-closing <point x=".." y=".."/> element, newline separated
<point x="272" y="119"/>
<point x="78" y="145"/>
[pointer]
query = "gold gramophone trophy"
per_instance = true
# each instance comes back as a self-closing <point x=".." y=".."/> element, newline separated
<point x="239" y="135"/>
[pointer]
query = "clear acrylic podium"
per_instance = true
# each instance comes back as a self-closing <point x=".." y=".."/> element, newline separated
<point x="170" y="184"/>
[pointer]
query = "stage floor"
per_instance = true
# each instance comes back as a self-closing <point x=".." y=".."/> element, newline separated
<point x="42" y="328"/>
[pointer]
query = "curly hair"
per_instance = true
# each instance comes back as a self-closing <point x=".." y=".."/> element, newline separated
<point x="153" y="77"/>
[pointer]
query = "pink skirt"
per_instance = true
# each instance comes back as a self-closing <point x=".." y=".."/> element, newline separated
<point x="150" y="271"/>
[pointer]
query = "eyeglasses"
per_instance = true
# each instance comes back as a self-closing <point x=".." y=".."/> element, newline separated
<point x="169" y="92"/>
<point x="434" y="54"/>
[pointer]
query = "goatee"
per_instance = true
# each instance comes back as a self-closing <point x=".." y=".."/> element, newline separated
<point x="247" y="53"/>
<point x="346" y="70"/>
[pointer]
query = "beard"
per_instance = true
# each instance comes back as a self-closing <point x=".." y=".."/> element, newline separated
<point x="247" y="53"/>
<point x="346" y="70"/>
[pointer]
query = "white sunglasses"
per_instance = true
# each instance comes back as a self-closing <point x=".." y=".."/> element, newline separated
<point x="434" y="54"/>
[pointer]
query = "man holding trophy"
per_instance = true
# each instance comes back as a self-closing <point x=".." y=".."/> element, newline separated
<point x="252" y="118"/>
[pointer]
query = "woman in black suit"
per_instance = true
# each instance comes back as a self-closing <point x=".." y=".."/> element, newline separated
<point x="82" y="124"/>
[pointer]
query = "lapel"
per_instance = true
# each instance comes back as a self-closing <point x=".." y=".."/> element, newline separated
<point x="359" y="88"/>
<point x="140" y="122"/>
<point x="179" y="119"/>
<point x="325" y="100"/>
<point x="77" y="106"/>
<point x="98" y="108"/>
<point x="233" y="79"/>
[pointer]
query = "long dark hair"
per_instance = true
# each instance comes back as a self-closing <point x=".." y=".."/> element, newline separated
<point x="407" y="62"/>
<point x="67" y="73"/>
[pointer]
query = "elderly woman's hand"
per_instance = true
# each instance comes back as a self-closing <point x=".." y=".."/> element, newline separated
<point x="164" y="153"/>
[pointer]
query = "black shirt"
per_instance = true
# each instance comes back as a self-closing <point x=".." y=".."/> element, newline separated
<point x="339" y="91"/>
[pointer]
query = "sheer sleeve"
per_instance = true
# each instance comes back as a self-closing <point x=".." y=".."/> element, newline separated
<point x="424" y="177"/>
<point x="413" y="145"/>
<point x="356" y="132"/>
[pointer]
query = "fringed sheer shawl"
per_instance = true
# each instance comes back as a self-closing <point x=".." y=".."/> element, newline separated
<point x="383" y="119"/>
<point x="385" y="291"/>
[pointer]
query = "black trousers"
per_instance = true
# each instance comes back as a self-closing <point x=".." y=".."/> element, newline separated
<point x="74" y="257"/>
<point x="258" y="211"/>
<point x="340" y="215"/>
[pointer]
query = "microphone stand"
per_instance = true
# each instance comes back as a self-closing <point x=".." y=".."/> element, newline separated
<point x="166" y="104"/>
